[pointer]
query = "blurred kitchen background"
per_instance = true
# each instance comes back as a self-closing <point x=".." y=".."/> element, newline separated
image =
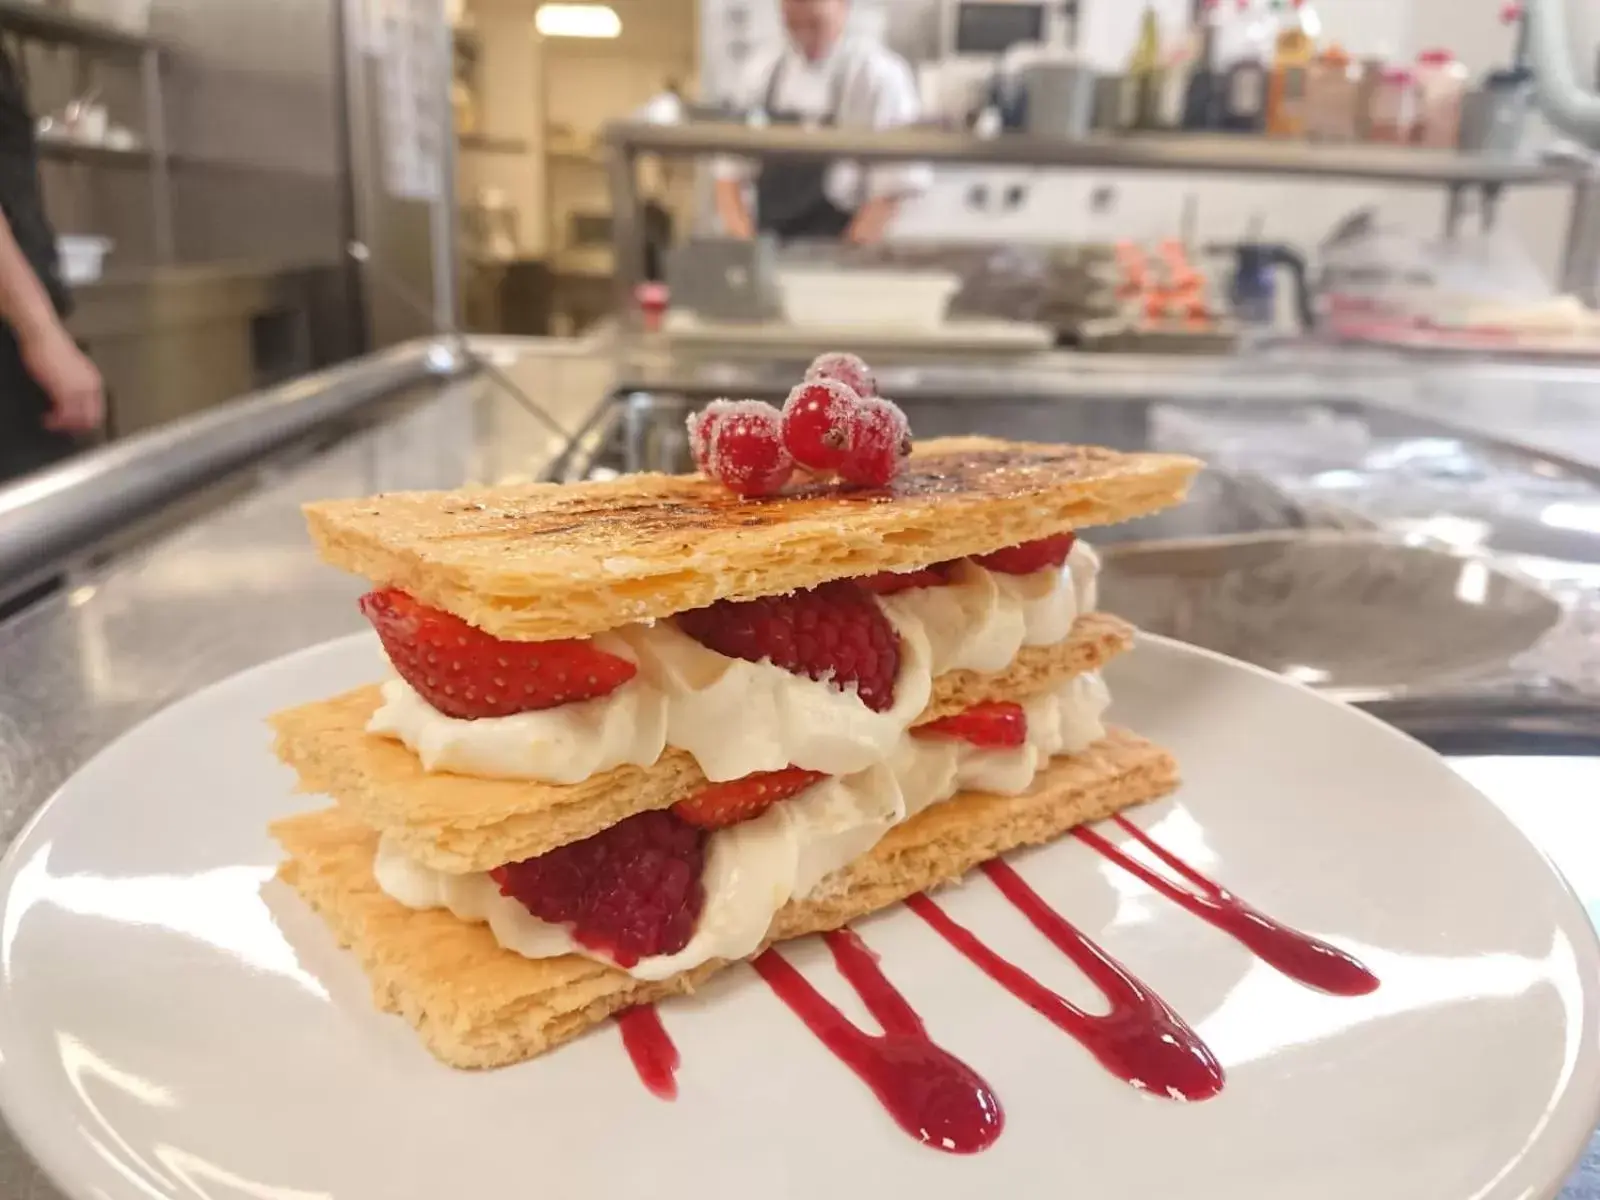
<point x="248" y="191"/>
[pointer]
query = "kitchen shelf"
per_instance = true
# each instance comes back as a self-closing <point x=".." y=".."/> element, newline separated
<point x="1195" y="154"/>
<point x="578" y="158"/>
<point x="60" y="150"/>
<point x="1187" y="155"/>
<point x="487" y="144"/>
<point x="49" y="24"/>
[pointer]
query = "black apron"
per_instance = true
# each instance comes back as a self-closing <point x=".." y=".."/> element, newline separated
<point x="791" y="193"/>
<point x="25" y="445"/>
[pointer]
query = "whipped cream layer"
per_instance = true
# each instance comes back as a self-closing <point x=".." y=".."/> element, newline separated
<point x="738" y="718"/>
<point x="756" y="867"/>
<point x="566" y="744"/>
<point x="981" y="619"/>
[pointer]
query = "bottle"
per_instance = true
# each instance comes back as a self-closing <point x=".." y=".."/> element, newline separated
<point x="1146" y="71"/>
<point x="1291" y="67"/>
<point x="1244" y="90"/>
<point x="1202" y="97"/>
<point x="1181" y="62"/>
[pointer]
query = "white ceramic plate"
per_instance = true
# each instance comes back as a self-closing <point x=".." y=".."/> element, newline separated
<point x="173" y="1024"/>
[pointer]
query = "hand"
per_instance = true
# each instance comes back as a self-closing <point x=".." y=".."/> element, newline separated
<point x="77" y="397"/>
<point x="871" y="221"/>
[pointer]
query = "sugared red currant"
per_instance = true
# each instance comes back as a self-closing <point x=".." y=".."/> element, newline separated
<point x="879" y="444"/>
<point x="846" y="369"/>
<point x="700" y="426"/>
<point x="744" y="448"/>
<point x="818" y="419"/>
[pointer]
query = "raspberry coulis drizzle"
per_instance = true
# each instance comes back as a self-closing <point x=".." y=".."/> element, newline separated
<point x="651" y="1048"/>
<point x="1140" y="1040"/>
<point x="1300" y="956"/>
<point x="930" y="1093"/>
<point x="940" y="1100"/>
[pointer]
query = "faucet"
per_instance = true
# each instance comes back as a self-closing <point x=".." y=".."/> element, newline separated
<point x="1566" y="103"/>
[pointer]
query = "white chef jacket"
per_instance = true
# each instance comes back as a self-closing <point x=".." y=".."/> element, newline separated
<point x="875" y="90"/>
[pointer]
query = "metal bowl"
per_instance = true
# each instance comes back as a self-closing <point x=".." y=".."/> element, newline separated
<point x="1355" y="615"/>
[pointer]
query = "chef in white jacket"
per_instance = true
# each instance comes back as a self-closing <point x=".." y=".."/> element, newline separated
<point x="820" y="77"/>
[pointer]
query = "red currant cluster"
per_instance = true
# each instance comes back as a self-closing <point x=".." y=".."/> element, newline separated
<point x="834" y="423"/>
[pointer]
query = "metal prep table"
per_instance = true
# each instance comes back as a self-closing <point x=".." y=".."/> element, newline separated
<point x="236" y="583"/>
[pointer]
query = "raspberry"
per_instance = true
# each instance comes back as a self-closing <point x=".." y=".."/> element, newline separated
<point x="466" y="673"/>
<point x="888" y="583"/>
<point x="718" y="805"/>
<point x="999" y="725"/>
<point x="835" y="633"/>
<point x="700" y="426"/>
<point x="744" y="448"/>
<point x="1029" y="556"/>
<point x="846" y="369"/>
<point x="879" y="444"/>
<point x="632" y="891"/>
<point x="819" y="419"/>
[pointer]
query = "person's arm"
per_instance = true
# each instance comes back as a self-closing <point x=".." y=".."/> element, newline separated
<point x="732" y="211"/>
<point x="731" y="175"/>
<point x="894" y="102"/>
<point x="77" y="402"/>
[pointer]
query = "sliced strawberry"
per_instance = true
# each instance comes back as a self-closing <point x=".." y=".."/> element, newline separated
<point x="1029" y="556"/>
<point x="998" y="725"/>
<point x="466" y="673"/>
<point x="887" y="583"/>
<point x="722" y="804"/>
<point x="835" y="632"/>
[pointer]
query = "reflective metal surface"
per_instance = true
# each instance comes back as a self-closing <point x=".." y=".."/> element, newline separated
<point x="49" y="518"/>
<point x="1354" y="615"/>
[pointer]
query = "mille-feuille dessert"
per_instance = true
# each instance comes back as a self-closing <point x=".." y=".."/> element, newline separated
<point x="642" y="728"/>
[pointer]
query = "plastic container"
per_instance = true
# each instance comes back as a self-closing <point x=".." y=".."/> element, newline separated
<point x="1393" y="116"/>
<point x="1333" y="89"/>
<point x="1494" y="117"/>
<point x="82" y="258"/>
<point x="825" y="296"/>
<point x="1441" y="86"/>
<point x="1368" y="80"/>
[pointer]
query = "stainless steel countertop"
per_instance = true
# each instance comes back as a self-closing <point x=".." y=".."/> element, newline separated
<point x="241" y="585"/>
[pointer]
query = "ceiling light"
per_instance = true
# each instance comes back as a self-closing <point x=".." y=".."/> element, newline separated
<point x="577" y="21"/>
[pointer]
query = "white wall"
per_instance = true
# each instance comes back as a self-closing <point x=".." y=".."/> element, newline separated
<point x="510" y="105"/>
